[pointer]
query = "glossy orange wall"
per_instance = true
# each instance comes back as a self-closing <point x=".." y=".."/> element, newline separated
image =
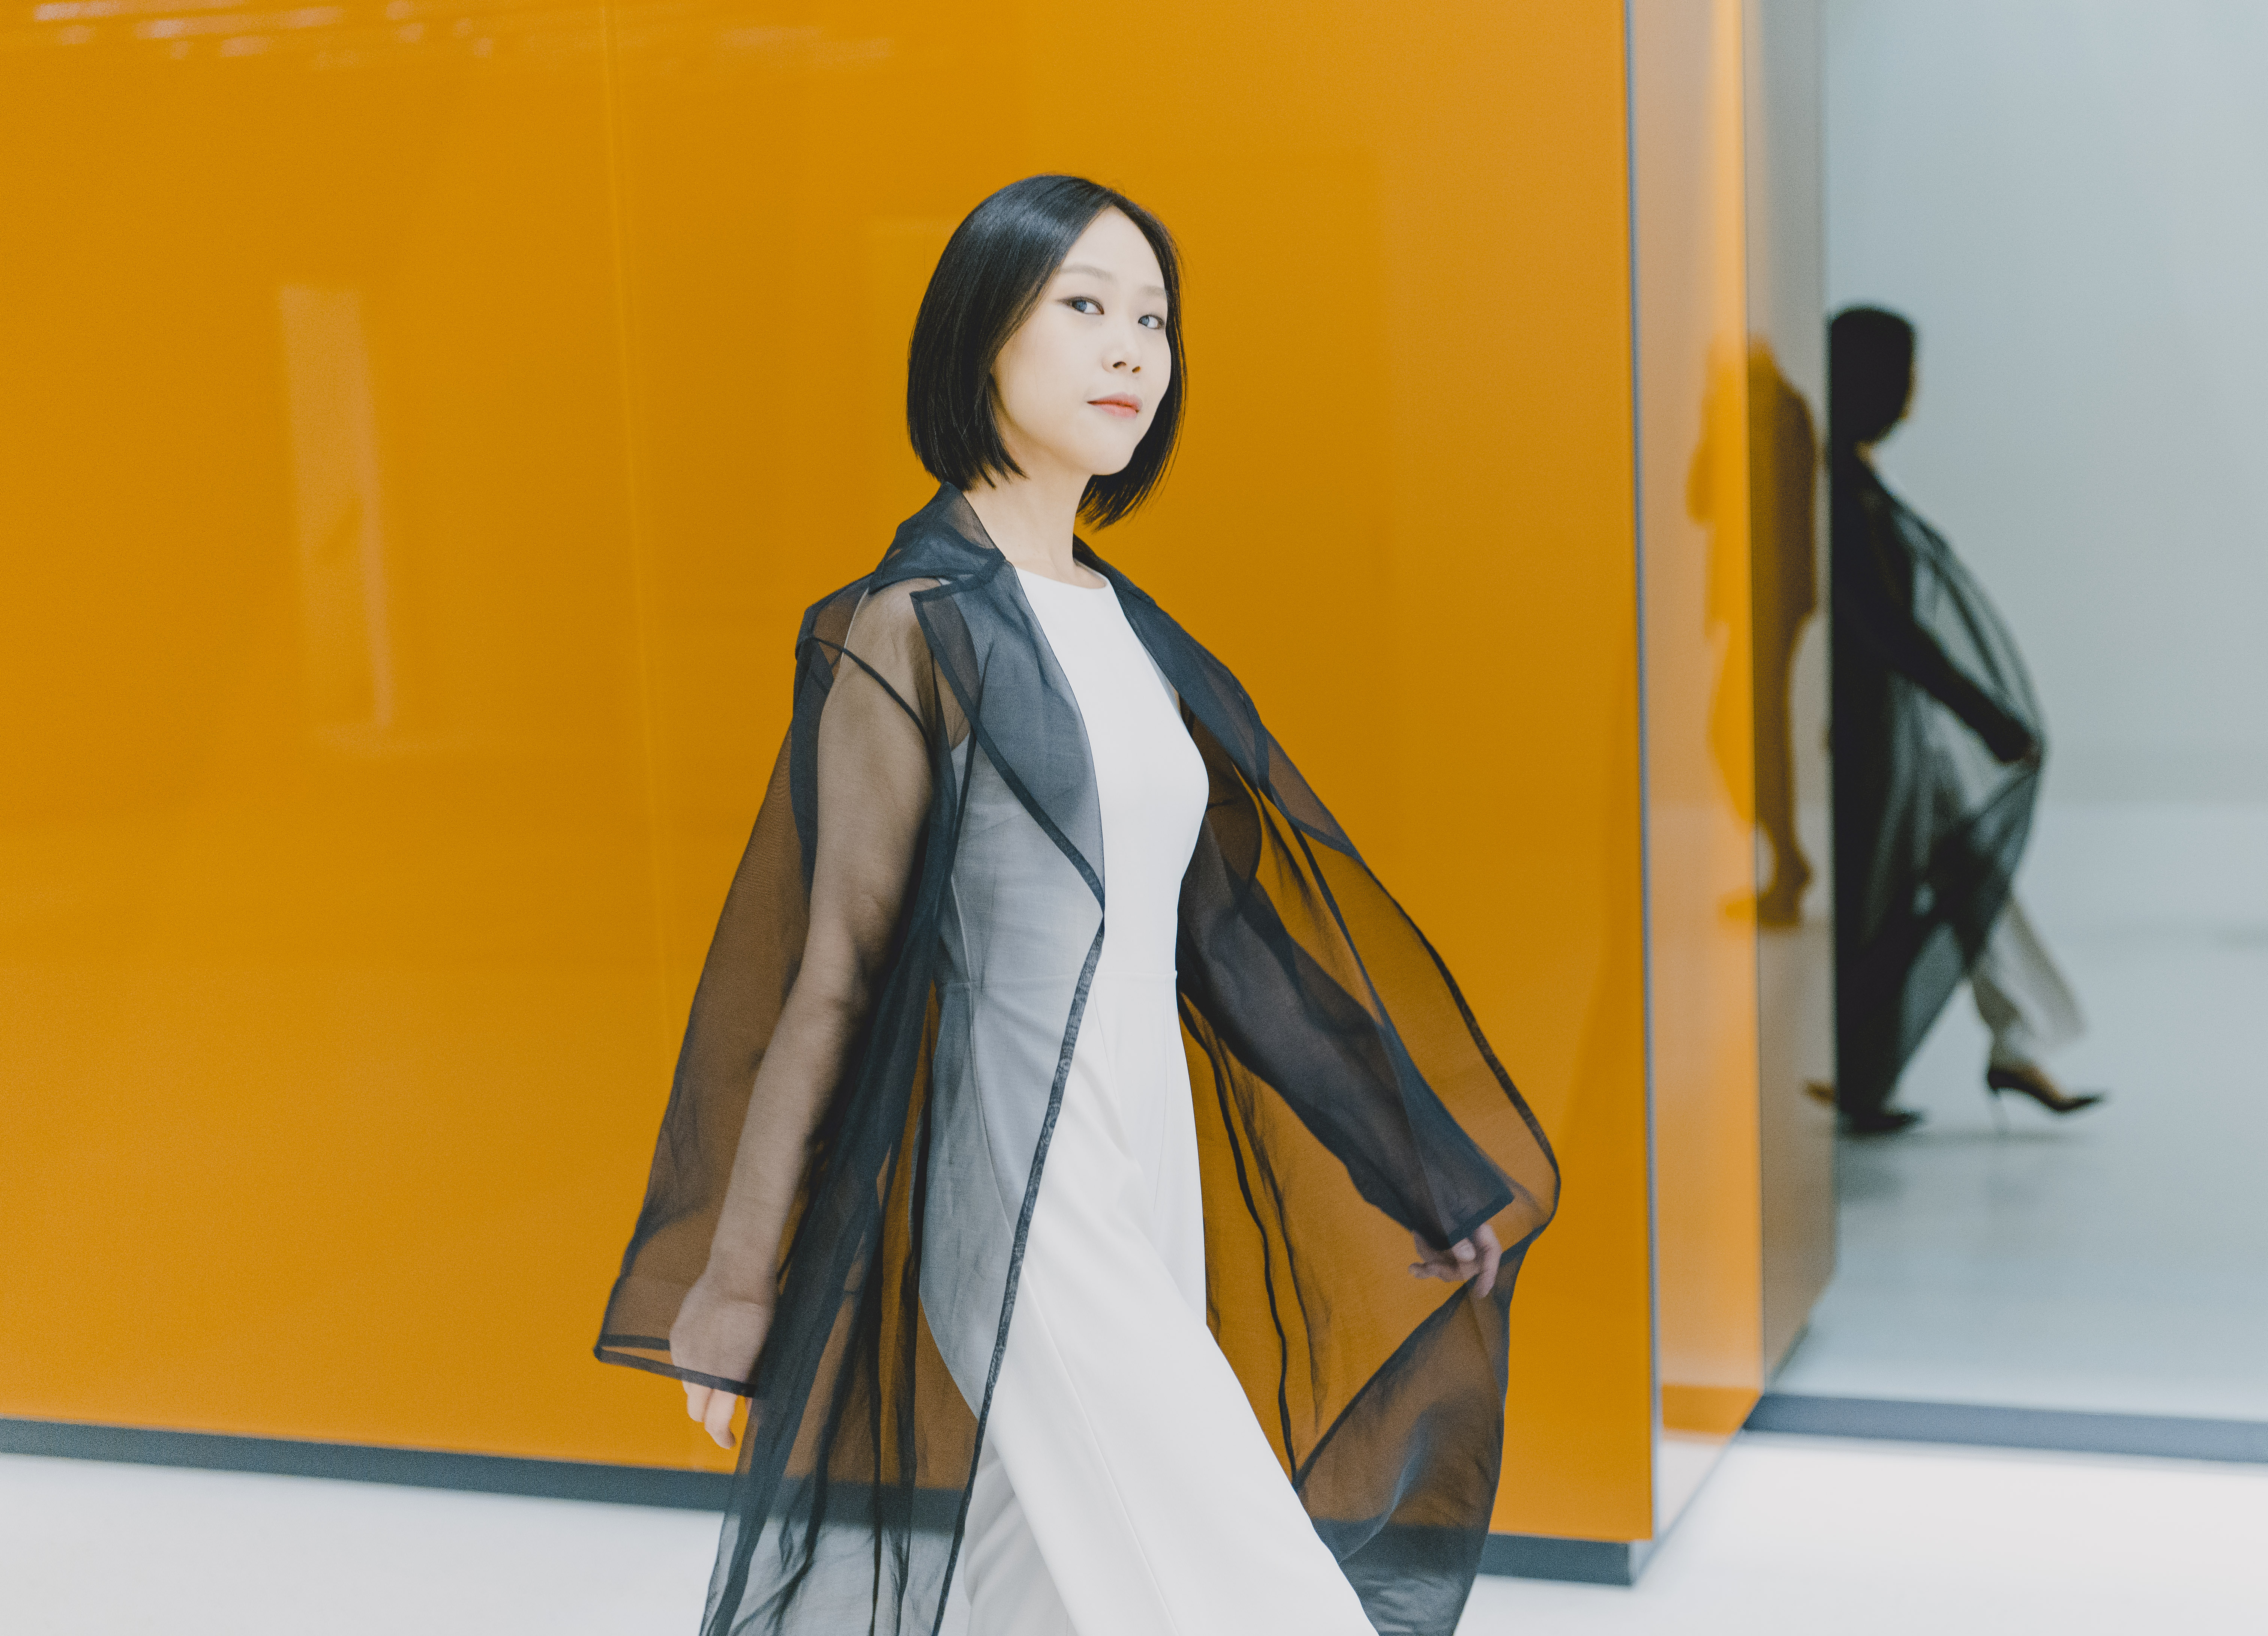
<point x="423" y="425"/>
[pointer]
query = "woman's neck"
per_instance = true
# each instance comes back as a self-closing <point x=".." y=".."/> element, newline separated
<point x="1033" y="520"/>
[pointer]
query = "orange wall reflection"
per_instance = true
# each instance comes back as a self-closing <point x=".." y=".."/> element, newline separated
<point x="423" y="423"/>
<point x="1787" y="580"/>
<point x="1687" y="140"/>
<point x="1724" y="145"/>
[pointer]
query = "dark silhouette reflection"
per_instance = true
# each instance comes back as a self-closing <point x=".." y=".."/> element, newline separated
<point x="1750" y="734"/>
<point x="1938" y="747"/>
<point x="1783" y="596"/>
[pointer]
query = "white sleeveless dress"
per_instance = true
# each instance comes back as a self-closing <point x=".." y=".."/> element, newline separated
<point x="1125" y="1488"/>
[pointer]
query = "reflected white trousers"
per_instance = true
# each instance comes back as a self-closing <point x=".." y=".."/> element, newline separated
<point x="1125" y="1487"/>
<point x="2022" y="994"/>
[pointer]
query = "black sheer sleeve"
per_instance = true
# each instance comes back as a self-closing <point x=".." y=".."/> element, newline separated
<point x="1874" y="597"/>
<point x="1292" y="1022"/>
<point x="772" y="1030"/>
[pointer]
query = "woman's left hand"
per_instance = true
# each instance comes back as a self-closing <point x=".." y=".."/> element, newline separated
<point x="1472" y="1259"/>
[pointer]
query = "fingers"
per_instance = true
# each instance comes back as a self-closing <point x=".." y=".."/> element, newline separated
<point x="1475" y="1260"/>
<point x="1432" y="1263"/>
<point x="1492" y="1253"/>
<point x="1454" y="1265"/>
<point x="1469" y="1263"/>
<point x="713" y="1408"/>
<point x="719" y="1418"/>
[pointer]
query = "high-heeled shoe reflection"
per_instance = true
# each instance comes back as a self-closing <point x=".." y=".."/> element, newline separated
<point x="2033" y="1082"/>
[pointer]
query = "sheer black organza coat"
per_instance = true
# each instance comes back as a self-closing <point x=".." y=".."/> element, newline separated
<point x="1345" y="1098"/>
<point x="1930" y="819"/>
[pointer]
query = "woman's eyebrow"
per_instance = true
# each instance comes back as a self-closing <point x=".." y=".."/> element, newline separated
<point x="1108" y="276"/>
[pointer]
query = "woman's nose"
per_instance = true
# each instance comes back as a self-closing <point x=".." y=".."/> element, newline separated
<point x="1125" y="354"/>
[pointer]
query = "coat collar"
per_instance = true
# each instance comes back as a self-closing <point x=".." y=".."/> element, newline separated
<point x="946" y="540"/>
<point x="942" y="541"/>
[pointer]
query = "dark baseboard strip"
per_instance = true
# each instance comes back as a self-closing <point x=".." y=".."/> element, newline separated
<point x="1578" y="1561"/>
<point x="1517" y="1556"/>
<point x="358" y="1462"/>
<point x="2172" y="1437"/>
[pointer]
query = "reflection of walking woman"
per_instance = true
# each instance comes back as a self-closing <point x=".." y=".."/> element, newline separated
<point x="1937" y="763"/>
<point x="1025" y="1322"/>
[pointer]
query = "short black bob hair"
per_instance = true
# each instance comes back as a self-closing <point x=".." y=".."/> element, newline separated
<point x="1870" y="359"/>
<point x="990" y="276"/>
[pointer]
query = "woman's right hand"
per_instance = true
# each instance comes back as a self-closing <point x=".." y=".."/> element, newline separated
<point x="718" y="1335"/>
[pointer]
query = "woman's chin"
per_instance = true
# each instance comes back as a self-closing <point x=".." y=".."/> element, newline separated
<point x="1110" y="463"/>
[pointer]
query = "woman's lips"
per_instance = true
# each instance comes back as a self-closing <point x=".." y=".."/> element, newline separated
<point x="1116" y="405"/>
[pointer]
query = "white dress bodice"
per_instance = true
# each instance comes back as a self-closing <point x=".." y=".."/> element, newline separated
<point x="1149" y="779"/>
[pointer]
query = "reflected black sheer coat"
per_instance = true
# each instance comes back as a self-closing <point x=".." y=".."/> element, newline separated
<point x="1933" y="718"/>
<point x="1345" y="1098"/>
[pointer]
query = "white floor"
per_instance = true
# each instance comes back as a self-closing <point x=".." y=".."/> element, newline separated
<point x="2113" y="1261"/>
<point x="1790" y="1536"/>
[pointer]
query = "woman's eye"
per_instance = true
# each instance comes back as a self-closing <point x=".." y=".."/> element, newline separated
<point x="1150" y="321"/>
<point x="1085" y="303"/>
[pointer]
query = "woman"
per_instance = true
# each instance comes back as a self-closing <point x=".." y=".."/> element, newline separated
<point x="1022" y="1318"/>
<point x="1937" y="766"/>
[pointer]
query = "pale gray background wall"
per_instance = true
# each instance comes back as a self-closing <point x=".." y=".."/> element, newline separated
<point x="2070" y="199"/>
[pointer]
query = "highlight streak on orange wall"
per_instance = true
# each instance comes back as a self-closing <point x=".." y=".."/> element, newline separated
<point x="1788" y="396"/>
<point x="1687" y="88"/>
<point x="423" y="429"/>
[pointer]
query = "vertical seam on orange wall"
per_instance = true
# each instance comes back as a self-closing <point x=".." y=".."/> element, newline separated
<point x="1644" y="815"/>
<point x="634" y="495"/>
<point x="1752" y="105"/>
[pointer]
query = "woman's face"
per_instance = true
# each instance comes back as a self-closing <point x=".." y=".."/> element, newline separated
<point x="1078" y="384"/>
